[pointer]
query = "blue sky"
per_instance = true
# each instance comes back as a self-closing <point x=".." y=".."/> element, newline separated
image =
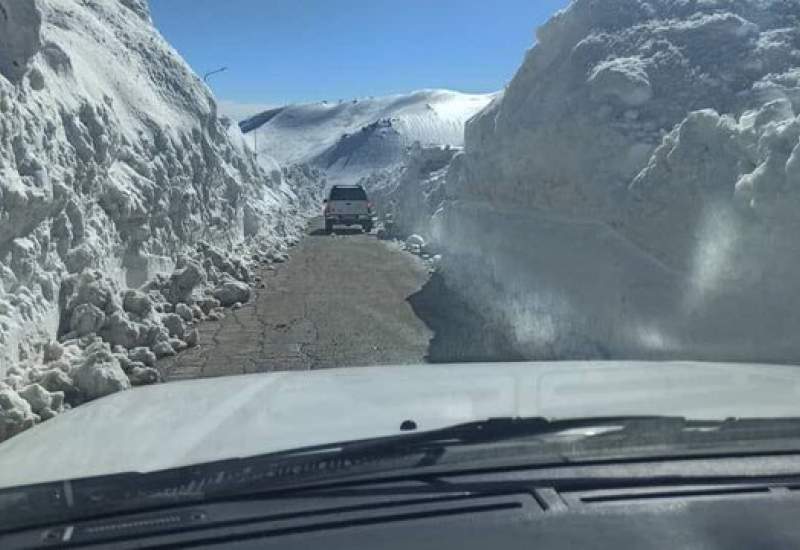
<point x="281" y="51"/>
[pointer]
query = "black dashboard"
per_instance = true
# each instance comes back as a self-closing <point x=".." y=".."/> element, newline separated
<point x="698" y="504"/>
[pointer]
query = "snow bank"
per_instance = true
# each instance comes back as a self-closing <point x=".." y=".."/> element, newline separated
<point x="635" y="190"/>
<point x="116" y="173"/>
<point x="411" y="193"/>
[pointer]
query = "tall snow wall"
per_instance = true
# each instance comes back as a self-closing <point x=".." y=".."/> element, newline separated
<point x="115" y="170"/>
<point x="634" y="193"/>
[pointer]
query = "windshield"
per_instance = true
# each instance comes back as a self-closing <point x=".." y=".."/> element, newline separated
<point x="348" y="194"/>
<point x="341" y="221"/>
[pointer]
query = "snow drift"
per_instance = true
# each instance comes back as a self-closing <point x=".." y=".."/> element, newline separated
<point x="354" y="139"/>
<point x="635" y="190"/>
<point x="413" y="192"/>
<point x="128" y="210"/>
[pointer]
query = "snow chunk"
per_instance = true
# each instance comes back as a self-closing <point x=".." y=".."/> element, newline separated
<point x="86" y="319"/>
<point x="174" y="324"/>
<point x="192" y="338"/>
<point x="42" y="402"/>
<point x="183" y="281"/>
<point x="53" y="351"/>
<point x="163" y="349"/>
<point x="100" y="373"/>
<point x="142" y="355"/>
<point x="56" y="380"/>
<point x="119" y="330"/>
<point x="624" y="78"/>
<point x="137" y="302"/>
<point x="140" y="376"/>
<point x="15" y="413"/>
<point x="415" y="240"/>
<point x="185" y="312"/>
<point x="231" y="292"/>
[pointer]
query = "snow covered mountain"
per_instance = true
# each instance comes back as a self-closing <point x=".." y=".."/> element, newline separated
<point x="635" y="191"/>
<point x="122" y="197"/>
<point x="351" y="139"/>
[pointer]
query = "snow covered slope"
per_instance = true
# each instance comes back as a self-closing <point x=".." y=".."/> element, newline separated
<point x="114" y="167"/>
<point x="351" y="139"/>
<point x="635" y="191"/>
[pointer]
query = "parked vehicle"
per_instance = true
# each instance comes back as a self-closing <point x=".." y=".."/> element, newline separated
<point x="348" y="205"/>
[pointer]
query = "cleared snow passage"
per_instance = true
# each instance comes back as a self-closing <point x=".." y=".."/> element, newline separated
<point x="341" y="300"/>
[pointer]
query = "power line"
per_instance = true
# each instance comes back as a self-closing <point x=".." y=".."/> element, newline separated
<point x="210" y="73"/>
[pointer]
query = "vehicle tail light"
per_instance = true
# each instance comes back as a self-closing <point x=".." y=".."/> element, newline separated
<point x="369" y="206"/>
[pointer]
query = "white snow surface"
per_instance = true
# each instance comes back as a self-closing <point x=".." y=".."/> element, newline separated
<point x="412" y="193"/>
<point x="115" y="168"/>
<point x="353" y="139"/>
<point x="635" y="191"/>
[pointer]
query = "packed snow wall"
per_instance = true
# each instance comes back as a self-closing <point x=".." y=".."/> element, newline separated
<point x="128" y="210"/>
<point x="634" y="193"/>
<point x="412" y="192"/>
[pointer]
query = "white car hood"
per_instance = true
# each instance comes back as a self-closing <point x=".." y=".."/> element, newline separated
<point x="197" y="421"/>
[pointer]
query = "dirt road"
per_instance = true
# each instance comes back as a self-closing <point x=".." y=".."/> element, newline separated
<point x="341" y="300"/>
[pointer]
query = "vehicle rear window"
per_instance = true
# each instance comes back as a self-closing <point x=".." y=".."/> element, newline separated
<point x="348" y="194"/>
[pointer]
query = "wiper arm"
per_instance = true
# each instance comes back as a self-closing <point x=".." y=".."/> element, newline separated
<point x="501" y="429"/>
<point x="642" y="430"/>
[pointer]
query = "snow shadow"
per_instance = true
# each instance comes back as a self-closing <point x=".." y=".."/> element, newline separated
<point x="460" y="334"/>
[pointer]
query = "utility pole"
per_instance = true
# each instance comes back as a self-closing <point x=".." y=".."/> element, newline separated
<point x="210" y="73"/>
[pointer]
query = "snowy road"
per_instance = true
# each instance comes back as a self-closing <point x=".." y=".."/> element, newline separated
<point x="345" y="300"/>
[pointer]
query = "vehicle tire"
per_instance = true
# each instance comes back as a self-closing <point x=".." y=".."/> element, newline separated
<point x="328" y="227"/>
<point x="367" y="227"/>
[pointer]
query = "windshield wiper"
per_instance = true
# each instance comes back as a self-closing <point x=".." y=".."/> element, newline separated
<point x="501" y="429"/>
<point x="612" y="435"/>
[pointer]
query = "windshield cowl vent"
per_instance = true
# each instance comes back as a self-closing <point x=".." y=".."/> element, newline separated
<point x="641" y="495"/>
